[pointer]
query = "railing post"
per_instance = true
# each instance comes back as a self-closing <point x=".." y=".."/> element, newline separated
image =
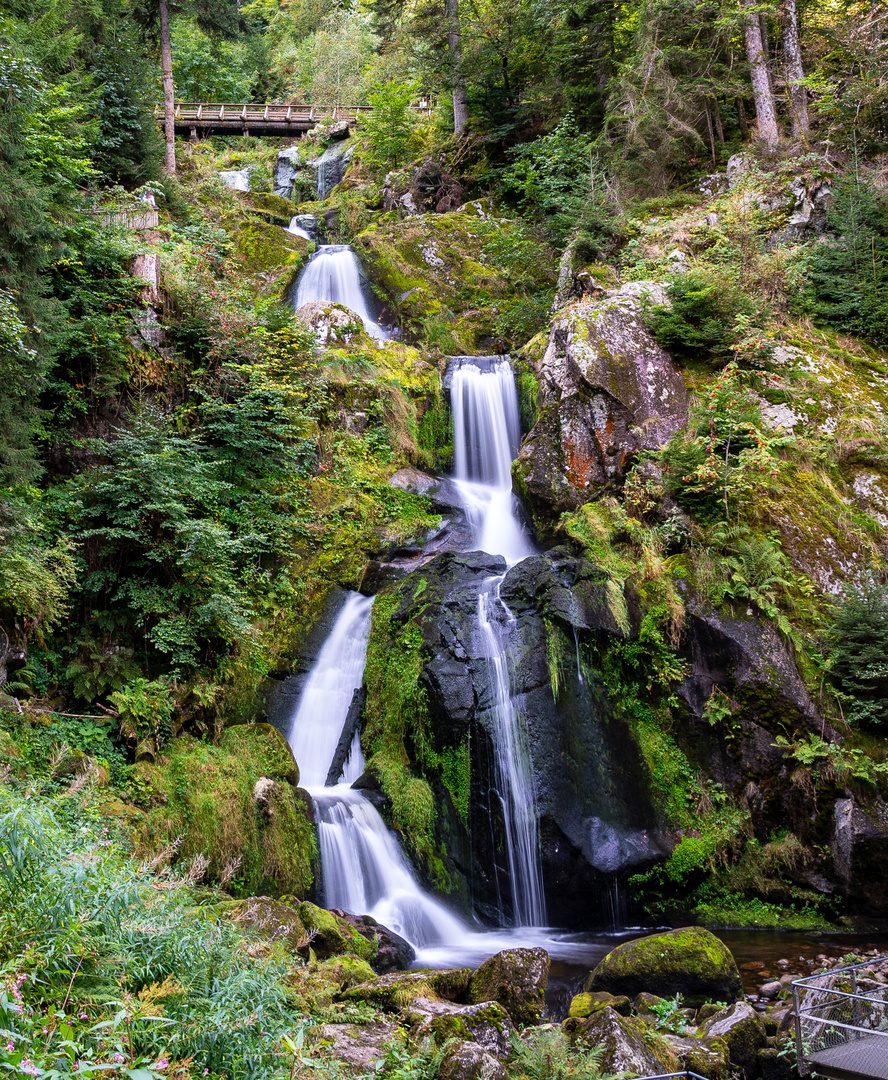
<point x="801" y="1064"/>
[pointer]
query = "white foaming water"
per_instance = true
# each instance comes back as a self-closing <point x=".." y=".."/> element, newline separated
<point x="332" y="276"/>
<point x="486" y="434"/>
<point x="514" y="775"/>
<point x="364" y="871"/>
<point x="323" y="705"/>
<point x="297" y="229"/>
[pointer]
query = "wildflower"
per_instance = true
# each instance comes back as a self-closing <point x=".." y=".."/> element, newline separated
<point x="162" y="1064"/>
<point x="10" y="1046"/>
<point x="84" y="1016"/>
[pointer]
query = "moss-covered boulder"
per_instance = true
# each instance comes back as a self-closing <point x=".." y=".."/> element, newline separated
<point x="626" y="1046"/>
<point x="399" y="989"/>
<point x="236" y="804"/>
<point x="346" y="971"/>
<point x="585" y="1004"/>
<point x="440" y="281"/>
<point x="709" y="1059"/>
<point x="276" y="207"/>
<point x="691" y="962"/>
<point x="330" y="935"/>
<point x="487" y="1024"/>
<point x="271" y="919"/>
<point x="270" y="254"/>
<point x="469" y="1061"/>
<point x="741" y="1030"/>
<point x="517" y="979"/>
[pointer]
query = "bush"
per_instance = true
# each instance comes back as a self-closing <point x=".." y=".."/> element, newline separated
<point x="700" y="323"/>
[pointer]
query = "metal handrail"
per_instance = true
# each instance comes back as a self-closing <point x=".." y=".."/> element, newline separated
<point x="831" y="1033"/>
<point x="687" y="1075"/>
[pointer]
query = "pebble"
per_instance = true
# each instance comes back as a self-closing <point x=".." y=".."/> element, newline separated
<point x="770" y="990"/>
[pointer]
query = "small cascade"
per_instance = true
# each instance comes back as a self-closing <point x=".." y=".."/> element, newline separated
<point x="333" y="276"/>
<point x="364" y="871"/>
<point x="297" y="226"/>
<point x="514" y="776"/>
<point x="486" y="434"/>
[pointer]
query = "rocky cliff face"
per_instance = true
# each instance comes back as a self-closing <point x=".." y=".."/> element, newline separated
<point x="606" y="391"/>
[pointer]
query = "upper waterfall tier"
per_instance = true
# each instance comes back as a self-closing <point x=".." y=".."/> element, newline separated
<point x="333" y="276"/>
<point x="486" y="434"/>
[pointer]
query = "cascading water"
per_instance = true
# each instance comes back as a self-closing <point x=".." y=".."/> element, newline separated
<point x="514" y="776"/>
<point x="333" y="276"/>
<point x="486" y="436"/>
<point x="364" y="871"/>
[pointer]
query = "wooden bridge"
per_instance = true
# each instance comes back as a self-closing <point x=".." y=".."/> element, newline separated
<point x="199" y="119"/>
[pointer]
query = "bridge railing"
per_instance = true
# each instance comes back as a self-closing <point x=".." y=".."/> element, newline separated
<point x="263" y="113"/>
<point x="839" y="1007"/>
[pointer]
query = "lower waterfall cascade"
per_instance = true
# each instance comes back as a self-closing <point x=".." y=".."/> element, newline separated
<point x="333" y="276"/>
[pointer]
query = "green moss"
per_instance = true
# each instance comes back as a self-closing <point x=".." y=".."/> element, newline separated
<point x="203" y="794"/>
<point x="332" y="935"/>
<point x="273" y="206"/>
<point x="270" y="253"/>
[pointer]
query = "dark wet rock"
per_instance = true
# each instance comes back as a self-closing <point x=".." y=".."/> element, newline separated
<point x="440" y="491"/>
<point x="607" y="391"/>
<point x="423" y="188"/>
<point x="392" y="952"/>
<point x="775" y="1065"/>
<point x="517" y="979"/>
<point x="690" y="961"/>
<point x="709" y="1059"/>
<point x="468" y="1061"/>
<point x="859" y="852"/>
<point x="740" y="1028"/>
<point x="625" y="1046"/>
<point x="596" y="814"/>
<point x="349" y="729"/>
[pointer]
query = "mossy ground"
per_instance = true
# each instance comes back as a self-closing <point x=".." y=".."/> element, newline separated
<point x="200" y="801"/>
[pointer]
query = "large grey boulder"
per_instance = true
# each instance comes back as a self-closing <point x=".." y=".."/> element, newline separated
<point x="625" y="1048"/>
<point x="741" y="1029"/>
<point x="285" y="171"/>
<point x="606" y="391"/>
<point x="469" y="1061"/>
<point x="517" y="979"/>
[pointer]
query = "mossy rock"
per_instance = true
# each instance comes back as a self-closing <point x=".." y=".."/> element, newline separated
<point x="647" y="1004"/>
<point x="273" y="206"/>
<point x="517" y="979"/>
<point x="269" y="253"/>
<point x="272" y="920"/>
<point x="586" y="1004"/>
<point x="331" y="936"/>
<point x="741" y="1030"/>
<point x="210" y="797"/>
<point x="690" y="961"/>
<point x="487" y="1024"/>
<point x="347" y="971"/>
<point x="400" y="988"/>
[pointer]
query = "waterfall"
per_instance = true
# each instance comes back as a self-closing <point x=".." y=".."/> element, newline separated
<point x="514" y="776"/>
<point x="333" y="276"/>
<point x="487" y="432"/>
<point x="363" y="869"/>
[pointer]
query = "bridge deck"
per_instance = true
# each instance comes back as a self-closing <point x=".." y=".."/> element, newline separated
<point x="860" y="1059"/>
<point x="237" y="118"/>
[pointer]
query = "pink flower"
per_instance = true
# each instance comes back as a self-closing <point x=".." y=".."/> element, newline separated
<point x="10" y="1046"/>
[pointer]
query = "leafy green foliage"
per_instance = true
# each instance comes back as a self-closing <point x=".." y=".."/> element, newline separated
<point x="699" y="322"/>
<point x="389" y="128"/>
<point x="548" y="1055"/>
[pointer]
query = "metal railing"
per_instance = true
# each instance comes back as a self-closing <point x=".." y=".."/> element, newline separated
<point x="841" y="1018"/>
<point x="675" y="1076"/>
<point x="252" y="112"/>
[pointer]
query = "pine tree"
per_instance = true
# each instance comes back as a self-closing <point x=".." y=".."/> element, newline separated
<point x="859" y="651"/>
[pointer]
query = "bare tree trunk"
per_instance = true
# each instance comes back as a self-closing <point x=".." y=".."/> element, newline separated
<point x="765" y="110"/>
<point x="169" y="93"/>
<point x="454" y="38"/>
<point x="792" y="59"/>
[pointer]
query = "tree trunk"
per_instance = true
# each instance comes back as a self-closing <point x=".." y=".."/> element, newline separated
<point x="454" y="38"/>
<point x="792" y="59"/>
<point x="765" y="110"/>
<point x="169" y="93"/>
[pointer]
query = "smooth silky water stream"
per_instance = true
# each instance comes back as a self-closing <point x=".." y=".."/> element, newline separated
<point x="333" y="276"/>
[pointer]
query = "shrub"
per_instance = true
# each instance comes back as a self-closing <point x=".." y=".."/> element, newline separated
<point x="858" y="649"/>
